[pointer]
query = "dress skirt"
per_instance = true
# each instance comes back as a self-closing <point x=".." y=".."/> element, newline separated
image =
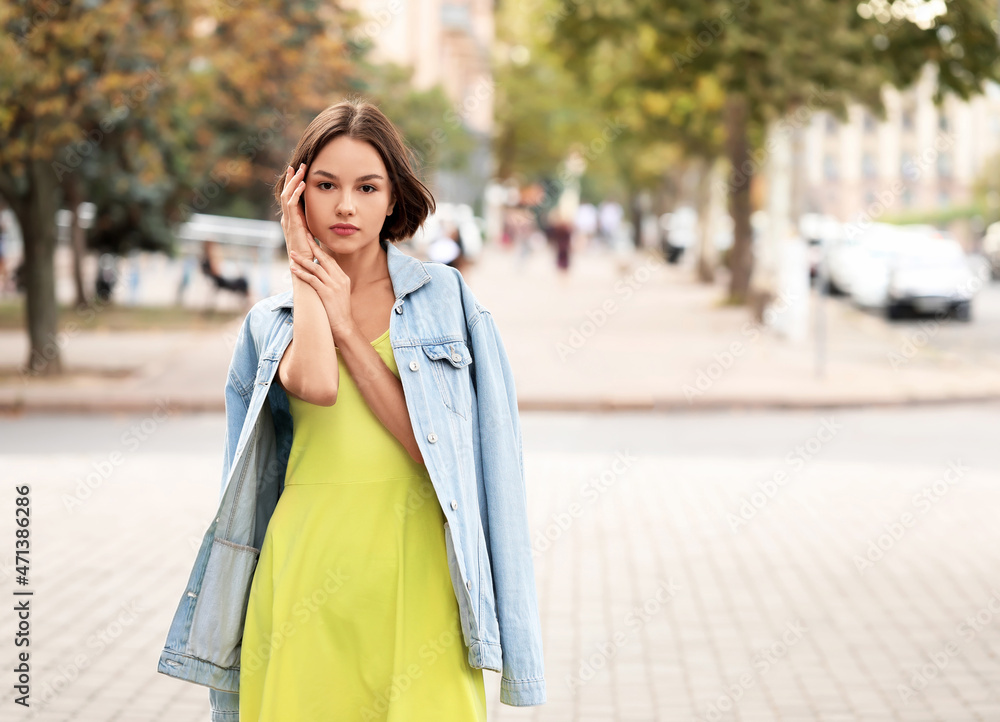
<point x="352" y="615"/>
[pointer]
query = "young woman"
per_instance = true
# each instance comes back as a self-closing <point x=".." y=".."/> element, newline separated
<point x="386" y="581"/>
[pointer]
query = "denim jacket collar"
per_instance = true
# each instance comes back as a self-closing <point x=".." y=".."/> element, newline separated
<point x="406" y="273"/>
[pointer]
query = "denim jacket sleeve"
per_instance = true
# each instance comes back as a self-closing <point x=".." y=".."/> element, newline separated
<point x="522" y="681"/>
<point x="238" y="390"/>
<point x="224" y="705"/>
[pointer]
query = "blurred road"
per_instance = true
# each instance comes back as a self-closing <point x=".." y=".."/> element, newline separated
<point x="800" y="566"/>
<point x="979" y="339"/>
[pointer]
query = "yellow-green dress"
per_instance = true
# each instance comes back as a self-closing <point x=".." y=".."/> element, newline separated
<point x="352" y="615"/>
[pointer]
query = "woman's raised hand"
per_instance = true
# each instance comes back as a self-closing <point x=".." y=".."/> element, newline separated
<point x="298" y="237"/>
<point x="324" y="274"/>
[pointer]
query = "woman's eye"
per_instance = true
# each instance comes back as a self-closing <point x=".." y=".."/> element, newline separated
<point x="369" y="185"/>
<point x="325" y="183"/>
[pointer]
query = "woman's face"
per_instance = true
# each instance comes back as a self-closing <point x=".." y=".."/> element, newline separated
<point x="347" y="185"/>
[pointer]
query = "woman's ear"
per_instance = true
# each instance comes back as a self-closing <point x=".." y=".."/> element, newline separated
<point x="392" y="204"/>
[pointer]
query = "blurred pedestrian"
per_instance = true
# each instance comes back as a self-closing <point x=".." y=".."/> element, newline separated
<point x="610" y="220"/>
<point x="212" y="267"/>
<point x="560" y="234"/>
<point x="586" y="223"/>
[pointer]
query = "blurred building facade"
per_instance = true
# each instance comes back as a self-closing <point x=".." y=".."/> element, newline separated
<point x="921" y="158"/>
<point x="446" y="42"/>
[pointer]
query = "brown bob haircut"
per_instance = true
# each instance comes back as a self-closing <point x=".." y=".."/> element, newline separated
<point x="362" y="120"/>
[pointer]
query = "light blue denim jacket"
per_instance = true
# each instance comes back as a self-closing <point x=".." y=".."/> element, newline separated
<point x="461" y="401"/>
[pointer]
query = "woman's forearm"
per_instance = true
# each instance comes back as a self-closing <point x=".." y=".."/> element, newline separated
<point x="380" y="388"/>
<point x="308" y="369"/>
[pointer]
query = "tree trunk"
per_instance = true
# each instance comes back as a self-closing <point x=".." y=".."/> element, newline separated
<point x="77" y="241"/>
<point x="37" y="217"/>
<point x="741" y="175"/>
<point x="705" y="267"/>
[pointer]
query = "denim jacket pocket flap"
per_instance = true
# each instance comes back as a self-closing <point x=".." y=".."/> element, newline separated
<point x="456" y="352"/>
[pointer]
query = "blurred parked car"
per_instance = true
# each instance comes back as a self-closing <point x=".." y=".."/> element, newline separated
<point x="991" y="248"/>
<point x="932" y="277"/>
<point x="905" y="270"/>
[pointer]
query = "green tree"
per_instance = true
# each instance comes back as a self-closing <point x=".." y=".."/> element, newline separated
<point x="148" y="109"/>
<point x="770" y="58"/>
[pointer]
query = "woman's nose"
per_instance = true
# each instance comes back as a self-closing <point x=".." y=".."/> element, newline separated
<point x="346" y="204"/>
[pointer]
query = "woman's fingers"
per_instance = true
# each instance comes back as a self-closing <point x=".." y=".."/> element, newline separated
<point x="292" y="216"/>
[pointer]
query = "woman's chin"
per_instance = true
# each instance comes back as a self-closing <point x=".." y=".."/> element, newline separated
<point x="344" y="244"/>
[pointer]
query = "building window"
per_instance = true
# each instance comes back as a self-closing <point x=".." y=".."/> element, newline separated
<point x="907" y="198"/>
<point x="943" y="197"/>
<point x="869" y="122"/>
<point x="831" y="125"/>
<point x="868" y="166"/>
<point x="829" y="167"/>
<point x="907" y="120"/>
<point x="944" y="165"/>
<point x="907" y="168"/>
<point x="943" y="121"/>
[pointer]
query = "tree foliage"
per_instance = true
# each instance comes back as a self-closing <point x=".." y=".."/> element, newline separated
<point x="766" y="58"/>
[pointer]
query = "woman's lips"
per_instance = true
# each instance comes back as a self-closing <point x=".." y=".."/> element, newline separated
<point x="344" y="230"/>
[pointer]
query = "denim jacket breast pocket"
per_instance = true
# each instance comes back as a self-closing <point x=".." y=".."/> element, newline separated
<point x="450" y="366"/>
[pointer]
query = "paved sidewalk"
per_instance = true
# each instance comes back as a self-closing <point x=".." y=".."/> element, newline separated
<point x="606" y="337"/>
<point x="822" y="605"/>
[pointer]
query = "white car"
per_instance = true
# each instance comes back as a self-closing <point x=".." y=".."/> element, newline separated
<point x="934" y="276"/>
<point x="848" y="255"/>
<point x="911" y="270"/>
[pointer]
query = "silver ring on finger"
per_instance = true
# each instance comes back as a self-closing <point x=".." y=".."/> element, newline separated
<point x="315" y="260"/>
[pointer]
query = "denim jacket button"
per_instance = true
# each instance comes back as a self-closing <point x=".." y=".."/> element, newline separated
<point x="414" y="365"/>
<point x="456" y="357"/>
<point x="399" y="308"/>
<point x="454" y="504"/>
<point x="468" y="584"/>
<point x="432" y="437"/>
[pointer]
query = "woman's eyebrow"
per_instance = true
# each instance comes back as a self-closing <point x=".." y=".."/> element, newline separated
<point x="370" y="176"/>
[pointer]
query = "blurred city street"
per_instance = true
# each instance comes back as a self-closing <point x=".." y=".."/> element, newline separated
<point x="620" y="331"/>
<point x="735" y="563"/>
<point x="677" y="572"/>
<point x="743" y="259"/>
